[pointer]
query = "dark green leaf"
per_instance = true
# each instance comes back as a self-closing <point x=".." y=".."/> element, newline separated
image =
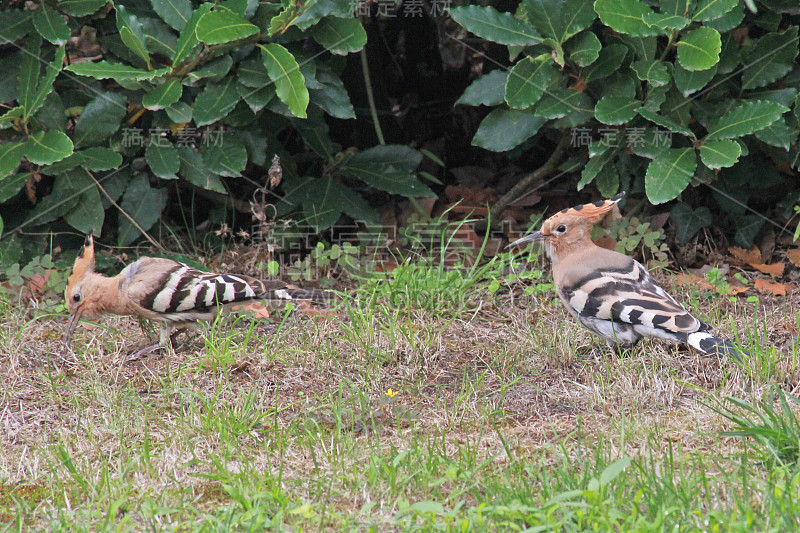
<point x="102" y="70"/>
<point x="100" y="119"/>
<point x="65" y="195"/>
<point x="616" y="110"/>
<point x="16" y="24"/>
<point x="143" y="204"/>
<point x="688" y="81"/>
<point x="257" y="99"/>
<point x="45" y="85"/>
<point x="179" y="112"/>
<point x="334" y="101"/>
<point x="176" y="13"/>
<point x="80" y="8"/>
<point x="490" y="24"/>
<point x="503" y="129"/>
<point x="720" y="154"/>
<point x="315" y="134"/>
<point x="772" y="57"/>
<point x="625" y="16"/>
<point x="489" y="89"/>
<point x="163" y="96"/>
<point x="194" y="170"/>
<point x="669" y="174"/>
<point x="712" y="9"/>
<point x="559" y="103"/>
<point x="226" y="156"/>
<point x="252" y="73"/>
<point x="45" y="148"/>
<point x="747" y="227"/>
<point x="216" y="101"/>
<point x="98" y="158"/>
<point x="689" y="221"/>
<point x="131" y="32"/>
<point x="665" y="122"/>
<point x="729" y="20"/>
<point x="223" y="26"/>
<point x="88" y="214"/>
<point x="163" y="160"/>
<point x="29" y="71"/>
<point x="778" y="134"/>
<point x="699" y="49"/>
<point x="323" y="203"/>
<point x="584" y="48"/>
<point x="607" y="181"/>
<point x="389" y="168"/>
<point x="595" y="164"/>
<point x="656" y="73"/>
<point x="188" y="38"/>
<point x="340" y="35"/>
<point x="289" y="82"/>
<point x="50" y="25"/>
<point x="10" y="185"/>
<point x="10" y="155"/>
<point x="611" y="58"/>
<point x="528" y="80"/>
<point x="744" y="119"/>
<point x="664" y="22"/>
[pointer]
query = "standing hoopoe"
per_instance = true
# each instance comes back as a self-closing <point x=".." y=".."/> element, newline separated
<point x="165" y="290"/>
<point x="611" y="294"/>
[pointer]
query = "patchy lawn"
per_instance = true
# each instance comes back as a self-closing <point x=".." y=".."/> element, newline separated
<point x="497" y="422"/>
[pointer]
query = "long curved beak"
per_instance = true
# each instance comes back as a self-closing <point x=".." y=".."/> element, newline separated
<point x="74" y="318"/>
<point x="533" y="237"/>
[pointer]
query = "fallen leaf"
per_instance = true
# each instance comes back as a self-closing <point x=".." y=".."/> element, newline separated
<point x="258" y="308"/>
<point x="753" y="255"/>
<point x="305" y="307"/>
<point x="606" y="242"/>
<point x="775" y="269"/>
<point x="691" y="279"/>
<point x="793" y="255"/>
<point x="778" y="289"/>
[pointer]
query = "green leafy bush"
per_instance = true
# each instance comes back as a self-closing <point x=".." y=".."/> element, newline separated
<point x="160" y="97"/>
<point x="658" y="95"/>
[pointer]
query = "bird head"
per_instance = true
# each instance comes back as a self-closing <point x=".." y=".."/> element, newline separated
<point x="569" y="227"/>
<point x="75" y="294"/>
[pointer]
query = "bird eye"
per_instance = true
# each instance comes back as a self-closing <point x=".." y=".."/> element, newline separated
<point x="561" y="229"/>
<point x="76" y="297"/>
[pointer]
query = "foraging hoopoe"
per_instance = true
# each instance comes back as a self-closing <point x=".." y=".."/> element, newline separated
<point x="610" y="293"/>
<point x="165" y="290"/>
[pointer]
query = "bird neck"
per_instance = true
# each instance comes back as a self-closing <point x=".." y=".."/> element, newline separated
<point x="102" y="295"/>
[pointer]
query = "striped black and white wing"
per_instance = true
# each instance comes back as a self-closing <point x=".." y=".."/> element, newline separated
<point x="629" y="295"/>
<point x="174" y="291"/>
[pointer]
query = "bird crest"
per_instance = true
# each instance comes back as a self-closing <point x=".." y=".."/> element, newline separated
<point x="84" y="262"/>
<point x="595" y="211"/>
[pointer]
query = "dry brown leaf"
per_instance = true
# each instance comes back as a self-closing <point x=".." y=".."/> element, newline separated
<point x="305" y="307"/>
<point x="753" y="255"/>
<point x="775" y="269"/>
<point x="793" y="255"/>
<point x="258" y="308"/>
<point x="691" y="279"/>
<point x="606" y="242"/>
<point x="778" y="289"/>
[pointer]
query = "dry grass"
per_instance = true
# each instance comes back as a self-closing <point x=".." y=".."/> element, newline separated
<point x="256" y="425"/>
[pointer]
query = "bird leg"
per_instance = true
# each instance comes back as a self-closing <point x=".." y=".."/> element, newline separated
<point x="165" y="342"/>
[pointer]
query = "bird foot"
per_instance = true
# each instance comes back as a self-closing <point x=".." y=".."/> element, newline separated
<point x="144" y="352"/>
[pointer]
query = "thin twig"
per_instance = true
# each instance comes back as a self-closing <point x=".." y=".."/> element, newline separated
<point x="370" y="97"/>
<point x="525" y="183"/>
<point x="115" y="204"/>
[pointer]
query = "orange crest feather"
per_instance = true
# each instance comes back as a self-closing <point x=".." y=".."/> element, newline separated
<point x="84" y="262"/>
<point x="594" y="212"/>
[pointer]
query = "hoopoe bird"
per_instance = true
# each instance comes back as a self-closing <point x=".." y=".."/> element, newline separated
<point x="163" y="290"/>
<point x="611" y="294"/>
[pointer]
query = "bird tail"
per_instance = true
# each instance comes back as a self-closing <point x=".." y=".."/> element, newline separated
<point x="711" y="345"/>
<point x="297" y="294"/>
